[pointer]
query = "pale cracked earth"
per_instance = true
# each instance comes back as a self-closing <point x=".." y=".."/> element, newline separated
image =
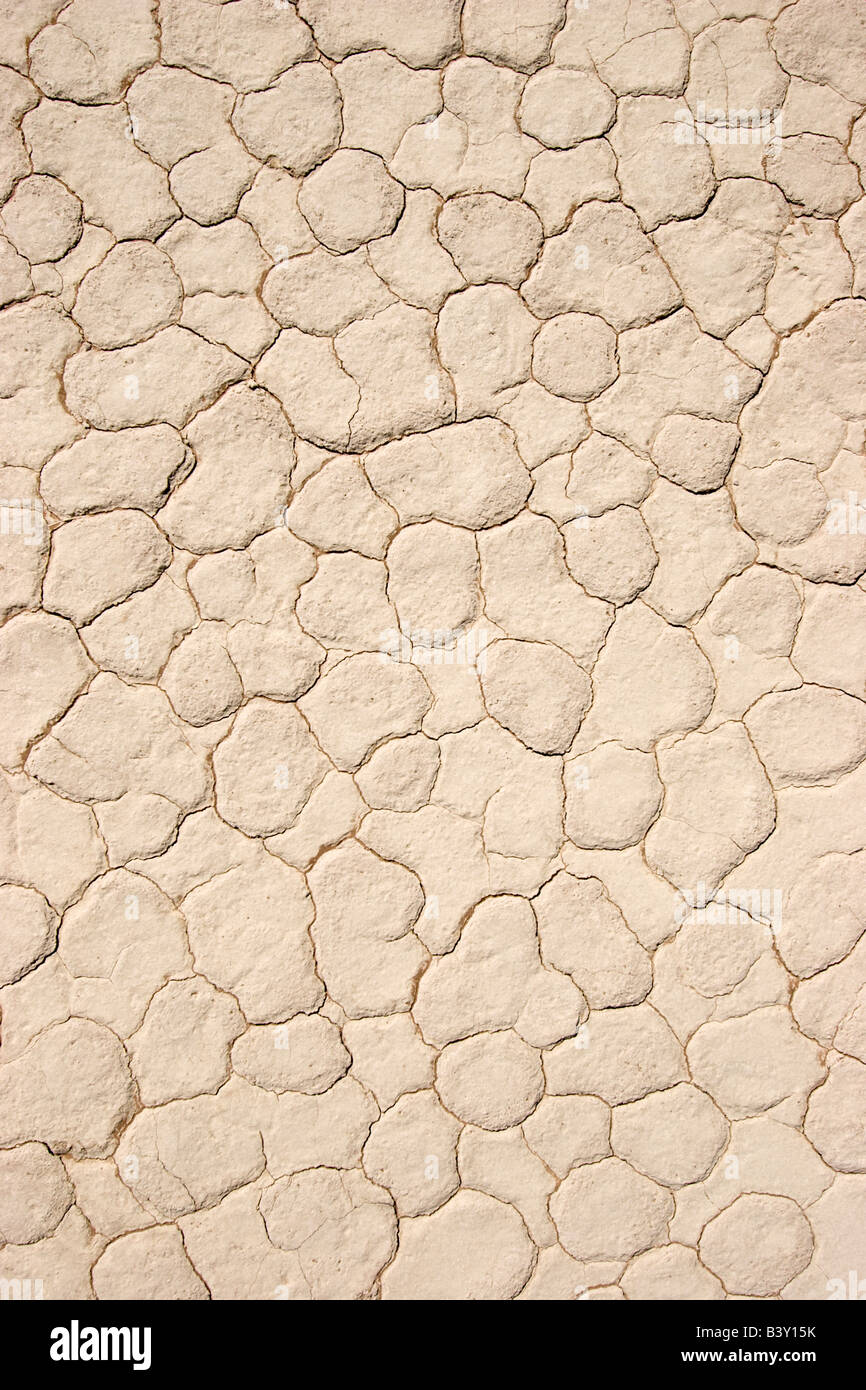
<point x="433" y="668"/>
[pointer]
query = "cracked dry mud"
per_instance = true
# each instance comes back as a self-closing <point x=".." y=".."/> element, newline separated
<point x="433" y="661"/>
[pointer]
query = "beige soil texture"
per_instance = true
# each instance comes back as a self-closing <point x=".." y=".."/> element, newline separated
<point x="433" y="649"/>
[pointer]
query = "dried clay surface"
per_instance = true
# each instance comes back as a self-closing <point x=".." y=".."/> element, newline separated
<point x="433" y="649"/>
